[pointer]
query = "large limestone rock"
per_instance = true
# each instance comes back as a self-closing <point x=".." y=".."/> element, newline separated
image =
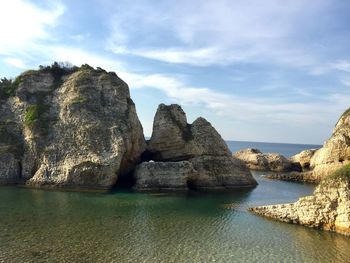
<point x="220" y="172"/>
<point x="256" y="160"/>
<point x="336" y="150"/>
<point x="164" y="175"/>
<point x="79" y="127"/>
<point x="303" y="158"/>
<point x="328" y="208"/>
<point x="173" y="139"/>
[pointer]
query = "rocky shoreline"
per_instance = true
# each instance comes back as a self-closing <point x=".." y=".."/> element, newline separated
<point x="328" y="208"/>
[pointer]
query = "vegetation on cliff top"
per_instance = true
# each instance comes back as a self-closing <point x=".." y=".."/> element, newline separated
<point x="58" y="70"/>
<point x="342" y="173"/>
<point x="8" y="87"/>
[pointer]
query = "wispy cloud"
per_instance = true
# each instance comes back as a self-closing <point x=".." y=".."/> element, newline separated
<point x="16" y="62"/>
<point x="239" y="107"/>
<point x="217" y="33"/>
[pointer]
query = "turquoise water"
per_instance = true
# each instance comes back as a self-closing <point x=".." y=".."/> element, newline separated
<point x="54" y="226"/>
<point x="48" y="226"/>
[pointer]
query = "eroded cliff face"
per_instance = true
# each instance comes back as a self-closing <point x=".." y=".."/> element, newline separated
<point x="319" y="164"/>
<point x="336" y="150"/>
<point x="200" y="145"/>
<point x="328" y="208"/>
<point x="73" y="127"/>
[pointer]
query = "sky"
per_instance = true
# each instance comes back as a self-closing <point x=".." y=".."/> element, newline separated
<point x="271" y="71"/>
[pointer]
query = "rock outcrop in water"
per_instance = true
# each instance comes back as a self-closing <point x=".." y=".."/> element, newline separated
<point x="173" y="139"/>
<point x="69" y="127"/>
<point x="328" y="208"/>
<point x="78" y="128"/>
<point x="319" y="164"/>
<point x="256" y="160"/>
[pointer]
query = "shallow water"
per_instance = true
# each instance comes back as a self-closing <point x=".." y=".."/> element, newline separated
<point x="48" y="226"/>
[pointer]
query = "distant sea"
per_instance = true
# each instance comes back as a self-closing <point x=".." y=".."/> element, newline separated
<point x="286" y="149"/>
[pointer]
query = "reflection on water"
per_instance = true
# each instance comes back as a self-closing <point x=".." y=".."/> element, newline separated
<point x="41" y="226"/>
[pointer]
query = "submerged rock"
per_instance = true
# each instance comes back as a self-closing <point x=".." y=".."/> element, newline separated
<point x="328" y="208"/>
<point x="173" y="139"/>
<point x="256" y="160"/>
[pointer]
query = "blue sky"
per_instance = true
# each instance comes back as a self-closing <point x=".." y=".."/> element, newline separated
<point x="272" y="70"/>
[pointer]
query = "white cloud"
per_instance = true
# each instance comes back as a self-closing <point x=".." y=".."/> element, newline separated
<point x="346" y="81"/>
<point x="22" y="23"/>
<point x="342" y="65"/>
<point x="16" y="62"/>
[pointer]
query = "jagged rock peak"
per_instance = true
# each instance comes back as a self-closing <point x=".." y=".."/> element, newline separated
<point x="199" y="145"/>
<point x="174" y="139"/>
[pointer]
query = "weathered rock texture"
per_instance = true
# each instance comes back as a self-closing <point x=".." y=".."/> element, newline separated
<point x="319" y="164"/>
<point x="164" y="175"/>
<point x="336" y="150"/>
<point x="220" y="172"/>
<point x="328" y="208"/>
<point x="303" y="158"/>
<point x="78" y="128"/>
<point x="173" y="139"/>
<point x="256" y="160"/>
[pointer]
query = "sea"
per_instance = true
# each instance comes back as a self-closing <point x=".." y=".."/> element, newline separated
<point x="123" y="226"/>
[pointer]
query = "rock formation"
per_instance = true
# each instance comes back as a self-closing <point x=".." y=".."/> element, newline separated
<point x="303" y="158"/>
<point x="164" y="175"/>
<point x="319" y="164"/>
<point x="328" y="208"/>
<point x="336" y="150"/>
<point x="173" y="139"/>
<point x="78" y="128"/>
<point x="256" y="160"/>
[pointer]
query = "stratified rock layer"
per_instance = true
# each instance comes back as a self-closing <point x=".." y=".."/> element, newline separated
<point x="328" y="208"/>
<point x="164" y="175"/>
<point x="220" y="172"/>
